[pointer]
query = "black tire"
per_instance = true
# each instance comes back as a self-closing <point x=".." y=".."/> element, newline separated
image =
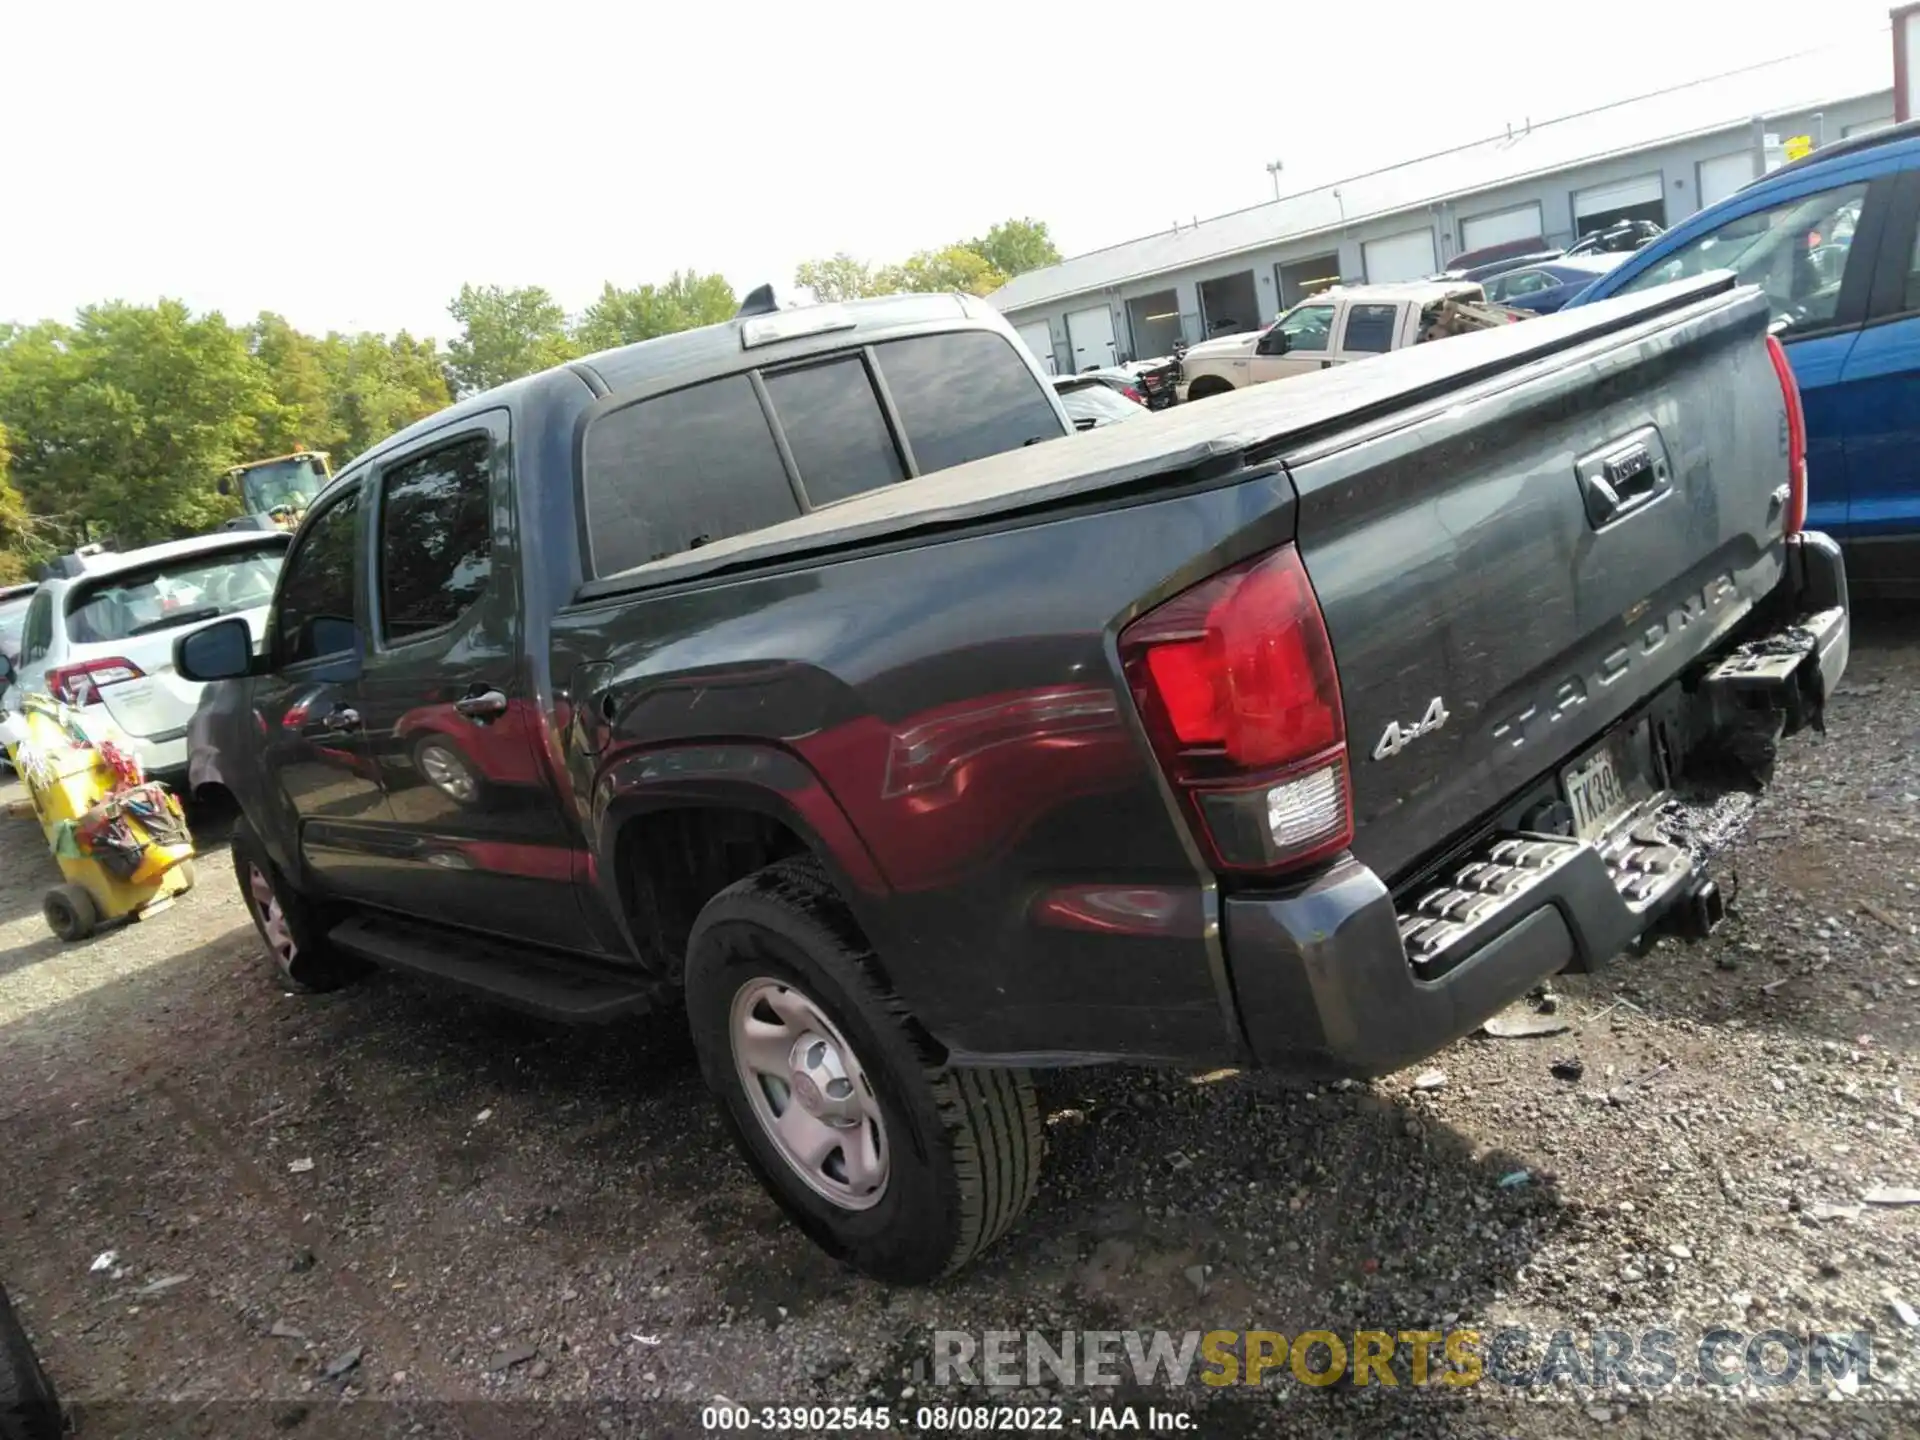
<point x="1208" y="386"/>
<point x="312" y="963"/>
<point x="29" y="1408"/>
<point x="963" y="1146"/>
<point x="70" y="911"/>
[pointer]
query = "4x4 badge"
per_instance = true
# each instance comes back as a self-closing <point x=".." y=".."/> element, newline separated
<point x="1399" y="736"/>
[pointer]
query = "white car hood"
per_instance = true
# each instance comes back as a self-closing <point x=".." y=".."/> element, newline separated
<point x="1226" y="347"/>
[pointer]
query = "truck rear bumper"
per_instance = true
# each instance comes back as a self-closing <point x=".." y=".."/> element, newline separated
<point x="1323" y="978"/>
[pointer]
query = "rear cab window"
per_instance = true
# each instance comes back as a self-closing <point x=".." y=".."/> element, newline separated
<point x="181" y="590"/>
<point x="676" y="470"/>
<point x="681" y="470"/>
<point x="436" y="538"/>
<point x="964" y="395"/>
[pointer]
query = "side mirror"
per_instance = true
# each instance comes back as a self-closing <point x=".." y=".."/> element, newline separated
<point x="222" y="651"/>
<point x="224" y="485"/>
<point x="1274" y="342"/>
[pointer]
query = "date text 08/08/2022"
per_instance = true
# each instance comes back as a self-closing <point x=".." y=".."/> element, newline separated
<point x="943" y="1419"/>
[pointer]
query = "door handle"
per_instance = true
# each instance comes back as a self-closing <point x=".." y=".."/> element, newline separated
<point x="481" y="706"/>
<point x="340" y="718"/>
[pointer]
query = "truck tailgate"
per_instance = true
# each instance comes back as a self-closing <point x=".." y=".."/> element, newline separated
<point x="1509" y="568"/>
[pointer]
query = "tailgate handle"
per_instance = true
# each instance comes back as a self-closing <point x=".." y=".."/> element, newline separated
<point x="1625" y="476"/>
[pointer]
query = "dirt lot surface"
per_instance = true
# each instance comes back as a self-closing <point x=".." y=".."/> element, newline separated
<point x="395" y="1198"/>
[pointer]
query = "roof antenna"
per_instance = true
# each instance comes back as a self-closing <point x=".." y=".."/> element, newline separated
<point x="759" y="301"/>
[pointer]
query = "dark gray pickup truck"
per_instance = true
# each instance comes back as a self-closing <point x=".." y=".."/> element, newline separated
<point x="1304" y="727"/>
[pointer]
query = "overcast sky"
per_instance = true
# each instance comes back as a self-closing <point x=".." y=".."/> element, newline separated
<point x="350" y="164"/>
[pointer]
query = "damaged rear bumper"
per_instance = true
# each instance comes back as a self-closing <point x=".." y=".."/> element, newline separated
<point x="1337" y="975"/>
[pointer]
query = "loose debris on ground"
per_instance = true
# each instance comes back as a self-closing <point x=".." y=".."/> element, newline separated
<point x="215" y="1190"/>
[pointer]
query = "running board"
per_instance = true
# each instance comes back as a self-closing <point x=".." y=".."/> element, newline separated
<point x="538" y="982"/>
<point x="1608" y="891"/>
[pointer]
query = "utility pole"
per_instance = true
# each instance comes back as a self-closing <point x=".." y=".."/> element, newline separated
<point x="1274" y="167"/>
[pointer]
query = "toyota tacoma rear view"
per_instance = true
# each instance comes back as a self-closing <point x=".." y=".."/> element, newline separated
<point x="806" y="673"/>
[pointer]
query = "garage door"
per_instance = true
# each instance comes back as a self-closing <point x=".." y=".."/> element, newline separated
<point x="1722" y="175"/>
<point x="1498" y="227"/>
<point x="1610" y="200"/>
<point x="1399" y="257"/>
<point x="1038" y="339"/>
<point x="1090" y="333"/>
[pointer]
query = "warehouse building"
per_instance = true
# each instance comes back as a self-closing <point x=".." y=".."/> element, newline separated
<point x="1658" y="157"/>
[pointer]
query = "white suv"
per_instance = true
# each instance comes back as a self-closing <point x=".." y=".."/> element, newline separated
<point x="105" y="638"/>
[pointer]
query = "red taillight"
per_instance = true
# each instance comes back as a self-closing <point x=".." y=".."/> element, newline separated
<point x="1796" y="437"/>
<point x="1236" y="681"/>
<point x="81" y="684"/>
<point x="1133" y="395"/>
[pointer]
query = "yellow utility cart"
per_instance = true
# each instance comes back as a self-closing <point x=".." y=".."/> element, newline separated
<point x="120" y="839"/>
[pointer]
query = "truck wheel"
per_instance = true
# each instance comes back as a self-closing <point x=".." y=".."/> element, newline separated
<point x="1207" y="386"/>
<point x="70" y="911"/>
<point x="291" y="926"/>
<point x="890" y="1160"/>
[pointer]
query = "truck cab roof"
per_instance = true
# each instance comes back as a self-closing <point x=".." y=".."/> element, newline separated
<point x="746" y="341"/>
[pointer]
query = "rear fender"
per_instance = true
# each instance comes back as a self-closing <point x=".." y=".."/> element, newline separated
<point x="760" y="778"/>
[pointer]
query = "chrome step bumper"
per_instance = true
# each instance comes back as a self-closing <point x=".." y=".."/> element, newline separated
<point x="1513" y="875"/>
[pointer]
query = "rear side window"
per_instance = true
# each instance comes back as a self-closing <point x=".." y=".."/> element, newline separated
<point x="832" y="421"/>
<point x="681" y="470"/>
<point x="964" y="395"/>
<point x="313" y="613"/>
<point x="436" y="538"/>
<point x="1370" y="328"/>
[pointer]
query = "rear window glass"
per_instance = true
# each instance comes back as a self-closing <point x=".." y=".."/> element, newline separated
<point x="1370" y="328"/>
<point x="681" y="470"/>
<point x="13" y="615"/>
<point x="1097" y="403"/>
<point x="833" y="425"/>
<point x="180" y="592"/>
<point x="964" y="395"/>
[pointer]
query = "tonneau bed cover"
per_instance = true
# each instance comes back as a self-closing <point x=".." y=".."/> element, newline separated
<point x="1205" y="437"/>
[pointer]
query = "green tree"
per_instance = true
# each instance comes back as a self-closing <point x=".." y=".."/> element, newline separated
<point x="505" y="334"/>
<point x="296" y="371"/>
<point x="16" y="525"/>
<point x="1014" y="247"/>
<point x="954" y="268"/>
<point x="377" y="386"/>
<point x="840" y="278"/>
<point x="123" y="420"/>
<point x="622" y="317"/>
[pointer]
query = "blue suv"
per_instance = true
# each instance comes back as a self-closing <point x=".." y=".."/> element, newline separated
<point x="1831" y="239"/>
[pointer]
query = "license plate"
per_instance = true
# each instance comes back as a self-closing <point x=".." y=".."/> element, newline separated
<point x="1597" y="791"/>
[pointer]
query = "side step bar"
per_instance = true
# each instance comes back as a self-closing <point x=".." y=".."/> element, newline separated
<point x="538" y="982"/>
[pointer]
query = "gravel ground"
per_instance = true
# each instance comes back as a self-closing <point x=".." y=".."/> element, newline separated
<point x="400" y="1198"/>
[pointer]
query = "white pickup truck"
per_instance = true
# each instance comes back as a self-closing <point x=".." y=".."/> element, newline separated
<point x="1348" y="322"/>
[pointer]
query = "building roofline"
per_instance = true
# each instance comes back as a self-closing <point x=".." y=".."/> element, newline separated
<point x="1423" y="203"/>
